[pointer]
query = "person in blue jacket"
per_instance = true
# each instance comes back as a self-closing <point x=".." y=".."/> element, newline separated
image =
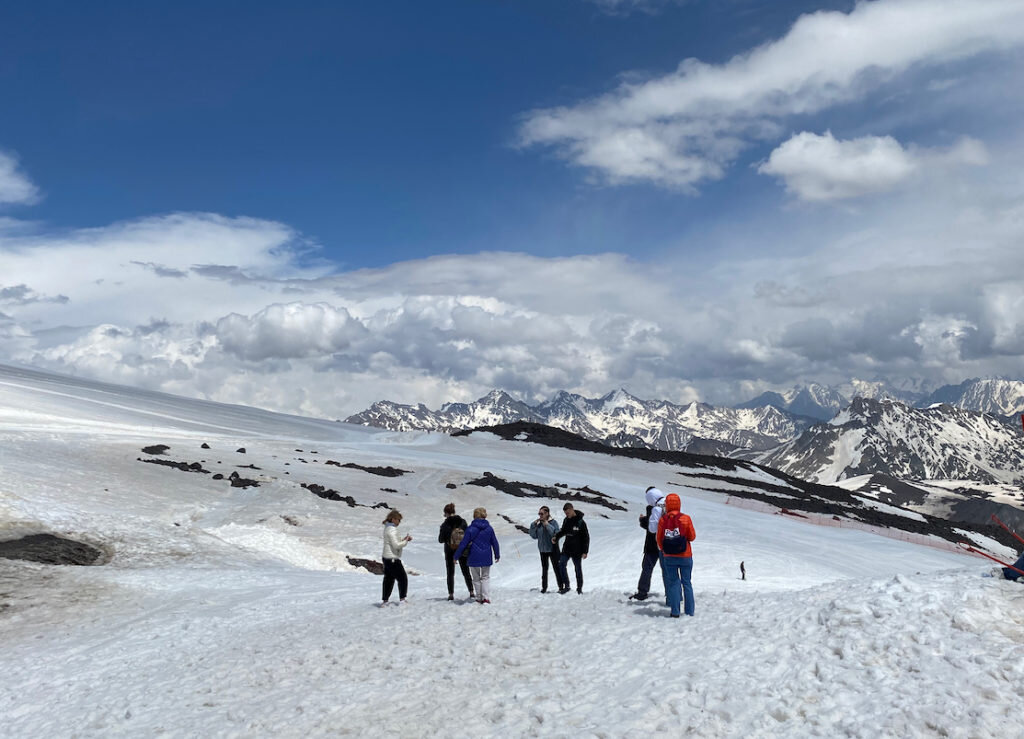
<point x="543" y="529"/>
<point x="481" y="542"/>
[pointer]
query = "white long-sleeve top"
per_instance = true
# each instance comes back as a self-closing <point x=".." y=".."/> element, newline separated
<point x="655" y="499"/>
<point x="393" y="545"/>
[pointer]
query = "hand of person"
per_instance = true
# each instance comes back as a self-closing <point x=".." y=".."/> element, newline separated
<point x="584" y="556"/>
<point x="497" y="559"/>
<point x="408" y="538"/>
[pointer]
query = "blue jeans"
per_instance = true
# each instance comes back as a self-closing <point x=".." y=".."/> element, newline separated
<point x="677" y="573"/>
<point x="1010" y="574"/>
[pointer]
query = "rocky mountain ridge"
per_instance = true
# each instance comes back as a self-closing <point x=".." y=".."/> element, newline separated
<point x="617" y="419"/>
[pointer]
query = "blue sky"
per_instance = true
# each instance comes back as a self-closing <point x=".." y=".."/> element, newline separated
<point x="380" y="131"/>
<point x="313" y="206"/>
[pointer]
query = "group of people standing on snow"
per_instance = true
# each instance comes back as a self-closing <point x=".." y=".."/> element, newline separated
<point x="669" y="532"/>
<point x="474" y="549"/>
<point x="559" y="544"/>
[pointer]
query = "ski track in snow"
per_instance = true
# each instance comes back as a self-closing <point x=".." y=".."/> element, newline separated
<point x="219" y="617"/>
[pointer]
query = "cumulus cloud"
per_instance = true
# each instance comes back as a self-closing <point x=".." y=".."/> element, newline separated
<point x="819" y="168"/>
<point x="287" y="331"/>
<point x="925" y="283"/>
<point x="689" y="126"/>
<point x="15" y="186"/>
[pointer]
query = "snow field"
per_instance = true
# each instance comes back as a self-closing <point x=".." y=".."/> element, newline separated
<point x="227" y="612"/>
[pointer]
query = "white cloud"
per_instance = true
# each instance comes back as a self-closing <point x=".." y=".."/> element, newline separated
<point x="15" y="186"/>
<point x="923" y="283"/>
<point x="687" y="127"/>
<point x="817" y="168"/>
<point x="287" y="331"/>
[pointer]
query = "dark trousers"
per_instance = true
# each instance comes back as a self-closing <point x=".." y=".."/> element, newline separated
<point x="563" y="567"/>
<point x="449" y="564"/>
<point x="643" y="587"/>
<point x="552" y="557"/>
<point x="394" y="572"/>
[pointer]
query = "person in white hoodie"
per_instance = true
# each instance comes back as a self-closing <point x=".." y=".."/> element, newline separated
<point x="652" y="555"/>
<point x="392" y="556"/>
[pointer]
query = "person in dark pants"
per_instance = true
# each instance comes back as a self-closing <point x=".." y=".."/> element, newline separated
<point x="452" y="522"/>
<point x="394" y="571"/>
<point x="543" y="529"/>
<point x="652" y="556"/>
<point x="743" y="571"/>
<point x="575" y="546"/>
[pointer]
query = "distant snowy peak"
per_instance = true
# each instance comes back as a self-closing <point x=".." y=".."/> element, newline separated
<point x="889" y="437"/>
<point x="998" y="396"/>
<point x="617" y="419"/>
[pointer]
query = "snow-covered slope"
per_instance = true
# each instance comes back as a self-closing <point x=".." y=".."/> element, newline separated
<point x="941" y="442"/>
<point x="243" y="611"/>
<point x="998" y="396"/>
<point x="618" y="419"/>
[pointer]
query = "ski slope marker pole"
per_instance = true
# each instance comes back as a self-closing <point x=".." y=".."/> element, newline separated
<point x="1004" y="526"/>
<point x="967" y="547"/>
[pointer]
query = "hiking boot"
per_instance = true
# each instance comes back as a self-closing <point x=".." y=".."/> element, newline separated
<point x="638" y="596"/>
<point x="563" y="591"/>
<point x="451" y="596"/>
<point x="674" y="615"/>
<point x="579" y="591"/>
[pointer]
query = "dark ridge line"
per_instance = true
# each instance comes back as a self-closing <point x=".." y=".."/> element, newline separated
<point x="529" y="490"/>
<point x="382" y="471"/>
<point x="553" y="437"/>
<point x="519" y="526"/>
<point x="183" y="466"/>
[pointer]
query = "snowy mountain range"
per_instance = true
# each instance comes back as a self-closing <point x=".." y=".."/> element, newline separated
<point x="996" y="396"/>
<point x="617" y="419"/>
<point x="941" y="442"/>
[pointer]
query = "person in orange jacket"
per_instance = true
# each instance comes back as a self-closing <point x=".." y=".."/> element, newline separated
<point x="675" y="532"/>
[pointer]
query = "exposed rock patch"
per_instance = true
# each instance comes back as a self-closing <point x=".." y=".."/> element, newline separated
<point x="183" y="466"/>
<point x="377" y="568"/>
<point x="155" y="449"/>
<point x="51" y="549"/>
<point x="528" y="490"/>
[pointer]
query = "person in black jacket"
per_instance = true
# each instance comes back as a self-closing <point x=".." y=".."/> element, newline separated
<point x="651" y="551"/>
<point x="452" y="522"/>
<point x="575" y="546"/>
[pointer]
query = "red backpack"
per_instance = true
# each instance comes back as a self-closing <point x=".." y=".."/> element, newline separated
<point x="673" y="542"/>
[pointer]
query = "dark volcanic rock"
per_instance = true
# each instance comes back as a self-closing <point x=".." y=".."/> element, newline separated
<point x="183" y="466"/>
<point x="377" y="568"/>
<point x="51" y="550"/>
<point x="241" y="450"/>
<point x="155" y="449"/>
<point x="237" y="481"/>
<point x="204" y="445"/>
<point x="382" y="471"/>
<point x="519" y="526"/>
<point x="528" y="490"/>
<point x="327" y="494"/>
